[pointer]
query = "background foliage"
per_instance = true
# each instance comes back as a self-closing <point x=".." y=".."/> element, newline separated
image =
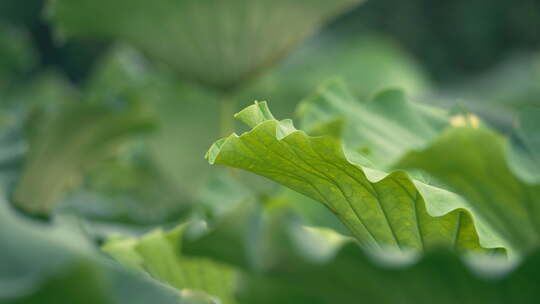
<point x="410" y="163"/>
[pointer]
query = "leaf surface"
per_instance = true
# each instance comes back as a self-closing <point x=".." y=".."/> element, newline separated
<point x="66" y="141"/>
<point x="219" y="43"/>
<point x="54" y="263"/>
<point x="380" y="210"/>
<point x="314" y="265"/>
<point x="525" y="159"/>
<point x="158" y="253"/>
<point x="476" y="166"/>
<point x="380" y="130"/>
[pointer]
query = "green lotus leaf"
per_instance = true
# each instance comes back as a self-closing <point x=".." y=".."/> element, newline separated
<point x="476" y="166"/>
<point x="353" y="276"/>
<point x="510" y="87"/>
<point x="54" y="262"/>
<point x="31" y="107"/>
<point x="262" y="235"/>
<point x="196" y="258"/>
<point x="17" y="57"/>
<point x="66" y="142"/>
<point x="287" y="262"/>
<point x="380" y="210"/>
<point x="299" y="264"/>
<point x="158" y="254"/>
<point x="377" y="132"/>
<point x="367" y="63"/>
<point x="69" y="130"/>
<point x="525" y="159"/>
<point x="219" y="43"/>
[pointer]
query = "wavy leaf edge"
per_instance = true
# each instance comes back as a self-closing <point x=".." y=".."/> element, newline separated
<point x="258" y="116"/>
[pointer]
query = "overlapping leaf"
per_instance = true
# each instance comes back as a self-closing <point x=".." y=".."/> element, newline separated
<point x="159" y="254"/>
<point x="525" y="159"/>
<point x="474" y="163"/>
<point x="54" y="263"/>
<point x="65" y="142"/>
<point x="286" y="262"/>
<point x="243" y="237"/>
<point x="220" y="43"/>
<point x="415" y="129"/>
<point x="367" y="63"/>
<point x="380" y="211"/>
<point x="377" y="132"/>
<point x="507" y="88"/>
<point x="355" y="277"/>
<point x="71" y="130"/>
<point x="16" y="56"/>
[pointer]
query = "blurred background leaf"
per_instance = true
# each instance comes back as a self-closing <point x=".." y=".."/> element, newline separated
<point x="525" y="158"/>
<point x="18" y="57"/>
<point x="56" y="263"/>
<point x="221" y="44"/>
<point x="159" y="254"/>
<point x="302" y="264"/>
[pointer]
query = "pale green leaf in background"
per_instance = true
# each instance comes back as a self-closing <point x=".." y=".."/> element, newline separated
<point x="17" y="57"/>
<point x="286" y="262"/>
<point x="525" y="159"/>
<point x="55" y="263"/>
<point x="64" y="142"/>
<point x="219" y="43"/>
<point x="92" y="136"/>
<point x="367" y="62"/>
<point x="356" y="277"/>
<point x="381" y="130"/>
<point x="159" y="254"/>
<point x="506" y="89"/>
